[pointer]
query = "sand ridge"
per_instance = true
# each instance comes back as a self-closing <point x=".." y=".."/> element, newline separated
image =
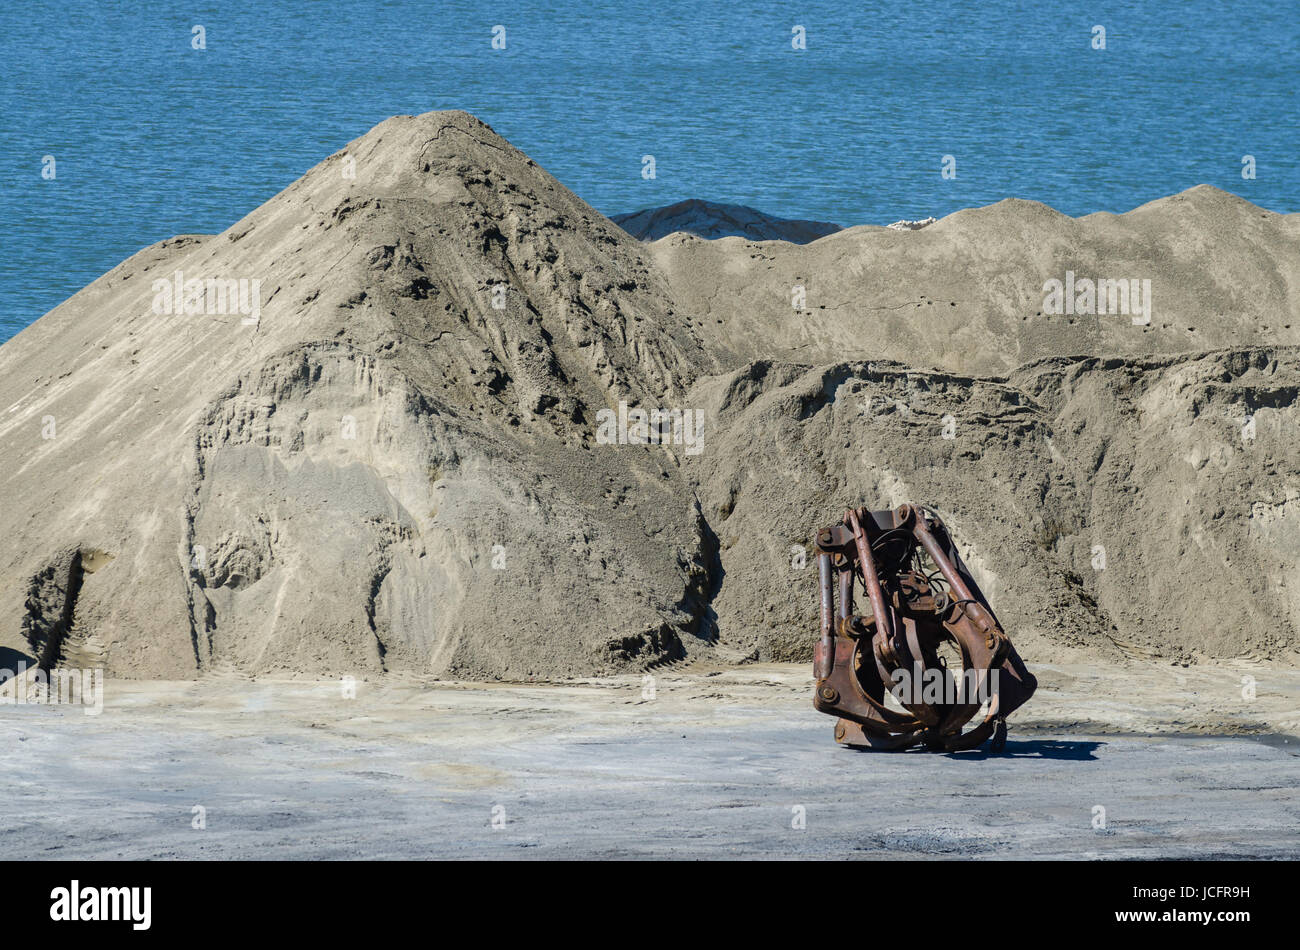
<point x="396" y="467"/>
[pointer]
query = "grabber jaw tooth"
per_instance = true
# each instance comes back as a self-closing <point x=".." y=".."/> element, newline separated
<point x="895" y="652"/>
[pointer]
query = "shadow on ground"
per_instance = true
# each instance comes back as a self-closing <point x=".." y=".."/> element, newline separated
<point x="1057" y="749"/>
<point x="1061" y="749"/>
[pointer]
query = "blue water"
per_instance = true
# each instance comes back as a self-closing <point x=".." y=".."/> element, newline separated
<point x="152" y="138"/>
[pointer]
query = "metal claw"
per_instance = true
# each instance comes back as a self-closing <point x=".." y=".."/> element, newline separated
<point x="896" y="650"/>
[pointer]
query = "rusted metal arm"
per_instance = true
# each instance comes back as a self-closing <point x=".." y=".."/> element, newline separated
<point x="870" y="578"/>
<point x="858" y="659"/>
<point x="825" y="657"/>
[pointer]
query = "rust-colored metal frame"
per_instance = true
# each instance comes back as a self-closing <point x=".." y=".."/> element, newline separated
<point x="896" y="647"/>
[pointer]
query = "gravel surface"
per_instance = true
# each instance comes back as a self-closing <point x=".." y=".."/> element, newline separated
<point x="716" y="764"/>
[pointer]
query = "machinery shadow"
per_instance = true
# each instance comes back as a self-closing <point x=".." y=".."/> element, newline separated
<point x="1068" y="750"/>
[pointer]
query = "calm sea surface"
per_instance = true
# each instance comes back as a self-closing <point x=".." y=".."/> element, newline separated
<point x="153" y="138"/>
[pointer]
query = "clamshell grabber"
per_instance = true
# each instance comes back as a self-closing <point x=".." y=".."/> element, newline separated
<point x="916" y="616"/>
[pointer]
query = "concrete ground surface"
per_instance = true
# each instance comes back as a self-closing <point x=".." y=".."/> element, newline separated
<point x="724" y="763"/>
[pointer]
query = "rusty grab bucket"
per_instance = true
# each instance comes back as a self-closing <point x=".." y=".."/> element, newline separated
<point x="930" y="638"/>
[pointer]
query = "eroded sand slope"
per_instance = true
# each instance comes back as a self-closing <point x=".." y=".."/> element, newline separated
<point x="397" y="466"/>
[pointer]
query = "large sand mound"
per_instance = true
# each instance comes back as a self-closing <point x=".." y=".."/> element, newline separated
<point x="397" y="466"/>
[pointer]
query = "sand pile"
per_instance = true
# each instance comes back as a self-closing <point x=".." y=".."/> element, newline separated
<point x="1108" y="507"/>
<point x="966" y="293"/>
<point x="399" y="462"/>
